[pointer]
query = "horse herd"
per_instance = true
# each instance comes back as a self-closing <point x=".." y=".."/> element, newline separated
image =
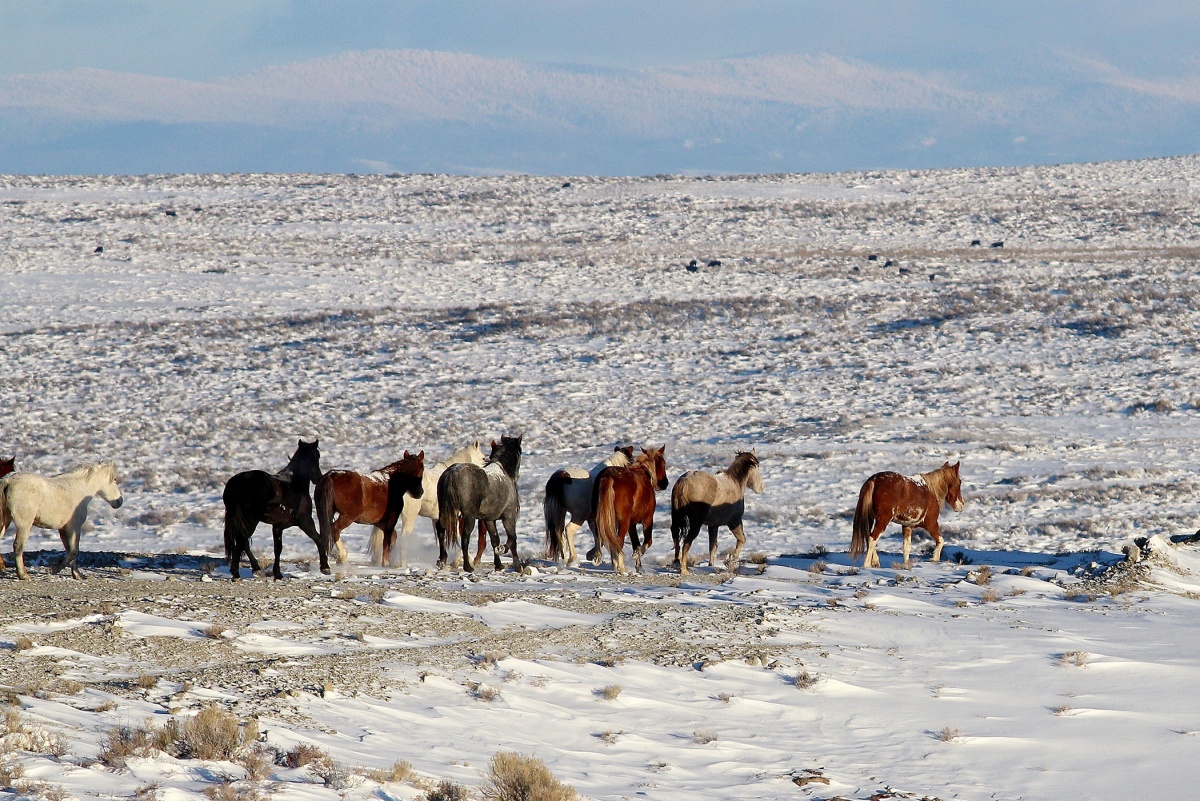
<point x="467" y="491"/>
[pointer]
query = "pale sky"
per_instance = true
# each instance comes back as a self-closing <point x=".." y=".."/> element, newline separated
<point x="215" y="38"/>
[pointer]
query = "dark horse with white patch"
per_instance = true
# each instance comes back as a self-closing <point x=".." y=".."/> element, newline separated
<point x="467" y="493"/>
<point x="280" y="499"/>
<point x="700" y="498"/>
<point x="911" y="501"/>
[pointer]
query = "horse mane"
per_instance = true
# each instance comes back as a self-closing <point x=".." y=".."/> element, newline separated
<point x="741" y="466"/>
<point x="88" y="470"/>
<point x="407" y="464"/>
<point x="938" y="482"/>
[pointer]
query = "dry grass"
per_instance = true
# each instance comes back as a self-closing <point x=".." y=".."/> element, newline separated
<point x="446" y="790"/>
<point x="724" y="697"/>
<point x="23" y="643"/>
<point x="145" y="681"/>
<point x="609" y="737"/>
<point x="704" y="736"/>
<point x="513" y="777"/>
<point x="817" y="567"/>
<point x="610" y="692"/>
<point x="1075" y="658"/>
<point x="213" y="733"/>
<point x="484" y="692"/>
<point x="214" y="631"/>
<point x="1061" y="710"/>
<point x="983" y="575"/>
<point x="123" y="741"/>
<point x="989" y="595"/>
<point x="949" y="735"/>
<point x="805" y="680"/>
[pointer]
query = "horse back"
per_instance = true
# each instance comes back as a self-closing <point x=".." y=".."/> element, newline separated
<point x="909" y="502"/>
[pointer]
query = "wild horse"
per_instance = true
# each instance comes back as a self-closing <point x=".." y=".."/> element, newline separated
<point x="714" y="500"/>
<point x="467" y="493"/>
<point x="911" y="501"/>
<point x="280" y="499"/>
<point x="623" y="497"/>
<point x="376" y="498"/>
<point x="569" y="491"/>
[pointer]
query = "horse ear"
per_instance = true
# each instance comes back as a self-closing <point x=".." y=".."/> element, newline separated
<point x="475" y="444"/>
<point x="494" y="445"/>
<point x="406" y="455"/>
<point x="956" y="464"/>
<point x="947" y="463"/>
<point x="421" y="455"/>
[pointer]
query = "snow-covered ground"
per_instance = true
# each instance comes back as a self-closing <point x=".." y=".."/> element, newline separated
<point x="227" y="316"/>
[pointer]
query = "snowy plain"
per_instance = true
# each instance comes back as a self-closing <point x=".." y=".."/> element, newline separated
<point x="194" y="326"/>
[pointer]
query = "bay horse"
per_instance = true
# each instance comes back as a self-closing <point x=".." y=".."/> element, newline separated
<point x="623" y="497"/>
<point x="569" y="491"/>
<point x="467" y="493"/>
<point x="60" y="502"/>
<point x="280" y="499"/>
<point x="376" y="498"/>
<point x="714" y="500"/>
<point x="423" y="505"/>
<point x="911" y="501"/>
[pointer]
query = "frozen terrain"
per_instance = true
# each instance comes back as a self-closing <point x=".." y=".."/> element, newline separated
<point x="194" y="326"/>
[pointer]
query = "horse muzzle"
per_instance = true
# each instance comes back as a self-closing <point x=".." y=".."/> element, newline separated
<point x="662" y="485"/>
<point x="958" y="507"/>
<point x="117" y="503"/>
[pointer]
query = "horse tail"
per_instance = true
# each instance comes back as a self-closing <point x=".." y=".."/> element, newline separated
<point x="324" y="501"/>
<point x="864" y="519"/>
<point x="605" y="512"/>
<point x="555" y="514"/>
<point x="3" y="507"/>
<point x="448" y="510"/>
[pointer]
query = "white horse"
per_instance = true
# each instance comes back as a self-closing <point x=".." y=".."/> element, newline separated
<point x="425" y="506"/>
<point x="60" y="503"/>
<point x="570" y="491"/>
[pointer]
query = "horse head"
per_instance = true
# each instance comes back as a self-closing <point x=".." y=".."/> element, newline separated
<point x="406" y="474"/>
<point x="109" y="491"/>
<point x="305" y="463"/>
<point x="627" y="451"/>
<point x="657" y="462"/>
<point x="507" y="453"/>
<point x="953" y="486"/>
<point x="754" y="474"/>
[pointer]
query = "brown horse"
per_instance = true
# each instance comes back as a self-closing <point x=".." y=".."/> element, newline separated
<point x="913" y="502"/>
<point x="376" y="499"/>
<point x="7" y="466"/>
<point x="622" y="497"/>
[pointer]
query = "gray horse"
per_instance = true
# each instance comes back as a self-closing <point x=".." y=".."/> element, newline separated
<point x="467" y="493"/>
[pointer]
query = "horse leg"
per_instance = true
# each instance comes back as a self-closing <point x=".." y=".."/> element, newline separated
<point x="635" y="545"/>
<point x="712" y="545"/>
<point x="304" y="521"/>
<point x="277" y="536"/>
<point x="19" y="549"/>
<point x="739" y="537"/>
<point x="679" y="524"/>
<point x="70" y="541"/>
<point x="467" y="528"/>
<point x="440" y="534"/>
<point x="246" y="549"/>
<point x="693" y="532"/>
<point x="510" y="530"/>
<point x="594" y="555"/>
<point x="907" y="531"/>
<point x="569" y="552"/>
<point x="935" y="531"/>
<point x="490" y="528"/>
<point x="872" y="557"/>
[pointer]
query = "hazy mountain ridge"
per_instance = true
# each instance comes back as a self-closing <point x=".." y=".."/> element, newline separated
<point x="427" y="110"/>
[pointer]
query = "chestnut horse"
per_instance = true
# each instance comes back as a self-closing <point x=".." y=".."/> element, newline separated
<point x="569" y="491"/>
<point x="376" y="498"/>
<point x="714" y="500"/>
<point x="913" y="502"/>
<point x="622" y="497"/>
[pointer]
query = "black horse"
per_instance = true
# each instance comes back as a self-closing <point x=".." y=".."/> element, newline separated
<point x="282" y="500"/>
<point x="487" y="494"/>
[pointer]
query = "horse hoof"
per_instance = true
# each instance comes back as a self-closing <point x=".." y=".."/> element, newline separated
<point x="440" y="564"/>
<point x="324" y="571"/>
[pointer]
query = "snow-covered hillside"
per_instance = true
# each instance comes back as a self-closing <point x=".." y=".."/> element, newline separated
<point x="194" y="326"/>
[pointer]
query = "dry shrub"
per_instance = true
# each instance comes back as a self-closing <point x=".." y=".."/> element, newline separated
<point x="145" y="681"/>
<point x="805" y="680"/>
<point x="704" y="736"/>
<point x="23" y="643"/>
<point x="609" y="737"/>
<point x="333" y="773"/>
<point x="228" y="791"/>
<point x="303" y="754"/>
<point x="1076" y="658"/>
<point x="212" y="733"/>
<point x="447" y="790"/>
<point x="11" y="771"/>
<point x="610" y="692"/>
<point x="949" y="735"/>
<point x="70" y="687"/>
<point x="989" y="595"/>
<point x="400" y="771"/>
<point x="513" y="777"/>
<point x="983" y="575"/>
<point x="146" y="792"/>
<point x="257" y="763"/>
<point x="124" y="741"/>
<point x="817" y="567"/>
<point x="214" y="631"/>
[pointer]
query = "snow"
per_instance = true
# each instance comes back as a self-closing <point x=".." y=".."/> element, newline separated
<point x="420" y="312"/>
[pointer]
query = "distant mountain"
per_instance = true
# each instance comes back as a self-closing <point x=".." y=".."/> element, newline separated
<point x="428" y="111"/>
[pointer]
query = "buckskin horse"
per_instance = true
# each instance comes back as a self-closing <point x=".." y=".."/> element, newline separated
<point x="700" y="499"/>
<point x="911" y="501"/>
<point x="376" y="498"/>
<point x="280" y="499"/>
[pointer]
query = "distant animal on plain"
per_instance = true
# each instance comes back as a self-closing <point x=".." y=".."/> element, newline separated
<point x="623" y="498"/>
<point x="976" y="243"/>
<point x="569" y="492"/>
<point x="280" y="499"/>
<point x="692" y="266"/>
<point x="376" y="498"/>
<point x="714" y="263"/>
<point x="873" y="257"/>
<point x="60" y="502"/>
<point x="7" y="466"/>
<point x="714" y="500"/>
<point x="467" y="493"/>
<point x="99" y="249"/>
<point x="170" y="213"/>
<point x="911" y="501"/>
<point x="888" y="263"/>
<point x="426" y="505"/>
<point x="904" y="271"/>
<point x="997" y="244"/>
